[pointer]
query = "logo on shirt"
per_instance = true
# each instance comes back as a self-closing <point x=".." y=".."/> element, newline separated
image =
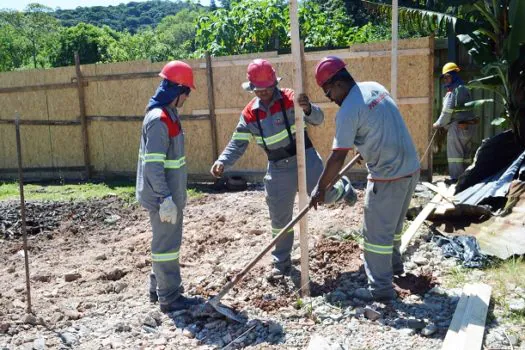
<point x="377" y="97"/>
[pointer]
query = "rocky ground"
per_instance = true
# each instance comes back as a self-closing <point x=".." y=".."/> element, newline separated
<point x="89" y="263"/>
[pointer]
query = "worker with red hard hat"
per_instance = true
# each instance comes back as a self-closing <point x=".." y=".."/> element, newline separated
<point x="369" y="119"/>
<point x="269" y="118"/>
<point x="161" y="183"/>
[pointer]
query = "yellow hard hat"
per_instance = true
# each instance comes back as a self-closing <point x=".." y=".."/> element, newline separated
<point x="449" y="67"/>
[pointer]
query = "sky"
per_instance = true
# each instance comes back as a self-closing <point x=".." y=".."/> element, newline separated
<point x="68" y="4"/>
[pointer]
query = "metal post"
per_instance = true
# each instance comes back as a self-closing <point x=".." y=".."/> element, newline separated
<point x="23" y="211"/>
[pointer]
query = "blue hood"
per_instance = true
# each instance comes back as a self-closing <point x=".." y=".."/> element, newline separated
<point x="166" y="93"/>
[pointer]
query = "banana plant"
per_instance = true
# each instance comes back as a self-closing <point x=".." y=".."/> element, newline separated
<point x="493" y="32"/>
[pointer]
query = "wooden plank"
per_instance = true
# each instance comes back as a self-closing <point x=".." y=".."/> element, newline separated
<point x="39" y="87"/>
<point x="41" y="122"/>
<point x="297" y="58"/>
<point x="430" y="160"/>
<point x="440" y="191"/>
<point x="468" y="323"/>
<point x="211" y="105"/>
<point x="427" y="210"/>
<point x="123" y="76"/>
<point x="138" y="118"/>
<point x="83" y="120"/>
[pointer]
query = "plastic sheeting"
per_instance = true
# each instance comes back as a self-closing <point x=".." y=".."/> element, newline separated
<point x="463" y="248"/>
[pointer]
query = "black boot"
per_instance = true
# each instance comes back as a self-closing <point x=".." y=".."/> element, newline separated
<point x="181" y="303"/>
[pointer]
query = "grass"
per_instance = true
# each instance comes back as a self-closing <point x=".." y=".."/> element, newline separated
<point x="66" y="192"/>
<point x="503" y="276"/>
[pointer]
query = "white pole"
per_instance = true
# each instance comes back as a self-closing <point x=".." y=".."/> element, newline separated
<point x="299" y="139"/>
<point x="393" y="71"/>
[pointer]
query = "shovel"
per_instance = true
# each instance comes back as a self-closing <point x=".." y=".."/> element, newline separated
<point x="215" y="301"/>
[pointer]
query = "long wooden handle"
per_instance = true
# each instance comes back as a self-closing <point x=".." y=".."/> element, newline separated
<point x="291" y="224"/>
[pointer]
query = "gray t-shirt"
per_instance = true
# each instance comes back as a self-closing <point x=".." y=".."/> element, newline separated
<point x="370" y="120"/>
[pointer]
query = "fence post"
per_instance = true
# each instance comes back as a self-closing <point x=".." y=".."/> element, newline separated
<point x="211" y="107"/>
<point x="83" y="120"/>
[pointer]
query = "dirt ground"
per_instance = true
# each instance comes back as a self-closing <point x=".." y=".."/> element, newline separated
<point x="98" y="252"/>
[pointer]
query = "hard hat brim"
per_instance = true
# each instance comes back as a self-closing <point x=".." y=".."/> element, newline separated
<point x="247" y="86"/>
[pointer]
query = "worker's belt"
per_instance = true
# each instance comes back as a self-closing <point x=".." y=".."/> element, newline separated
<point x="288" y="151"/>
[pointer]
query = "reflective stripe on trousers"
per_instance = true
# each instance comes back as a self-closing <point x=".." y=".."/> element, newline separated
<point x="280" y="184"/>
<point x="165" y="245"/>
<point x="386" y="204"/>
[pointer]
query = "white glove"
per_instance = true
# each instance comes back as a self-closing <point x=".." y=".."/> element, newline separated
<point x="168" y="211"/>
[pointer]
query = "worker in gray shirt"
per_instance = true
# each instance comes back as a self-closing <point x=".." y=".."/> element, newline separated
<point x="270" y="119"/>
<point x="459" y="120"/>
<point x="369" y="119"/>
<point x="161" y="183"/>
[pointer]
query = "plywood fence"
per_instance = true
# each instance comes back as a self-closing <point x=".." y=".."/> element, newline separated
<point x="86" y="120"/>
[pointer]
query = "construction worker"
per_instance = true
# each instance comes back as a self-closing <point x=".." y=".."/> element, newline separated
<point x="459" y="120"/>
<point x="161" y="183"/>
<point x="369" y="119"/>
<point x="270" y="119"/>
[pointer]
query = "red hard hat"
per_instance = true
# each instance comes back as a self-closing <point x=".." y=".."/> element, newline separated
<point x="260" y="74"/>
<point x="326" y="69"/>
<point x="178" y="72"/>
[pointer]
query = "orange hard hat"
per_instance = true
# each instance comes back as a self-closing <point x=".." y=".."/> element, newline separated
<point x="327" y="68"/>
<point x="178" y="72"/>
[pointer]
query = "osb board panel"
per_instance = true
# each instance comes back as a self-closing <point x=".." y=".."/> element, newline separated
<point x="36" y="146"/>
<point x="227" y="87"/>
<point x="413" y="73"/>
<point x="8" y="156"/>
<point x="110" y="153"/>
<point x="198" y="98"/>
<point x="119" y="98"/>
<point x="254" y="158"/>
<point x="116" y="68"/>
<point x="197" y="145"/>
<point x="417" y="120"/>
<point x="419" y="43"/>
<point x="37" y="77"/>
<point x="66" y="143"/>
<point x="29" y="105"/>
<point x="63" y="104"/>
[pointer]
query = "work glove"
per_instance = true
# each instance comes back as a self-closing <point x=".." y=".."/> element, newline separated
<point x="168" y="211"/>
<point x="217" y="169"/>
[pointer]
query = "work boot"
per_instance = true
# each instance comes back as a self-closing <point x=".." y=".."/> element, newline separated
<point x="153" y="297"/>
<point x="279" y="271"/>
<point x="181" y="303"/>
<point x="350" y="195"/>
<point x="366" y="294"/>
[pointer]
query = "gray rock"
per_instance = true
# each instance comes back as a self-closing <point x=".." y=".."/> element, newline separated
<point x="429" y="330"/>
<point x="274" y="328"/>
<point x="69" y="338"/>
<point x="101" y="257"/>
<point x="318" y="342"/>
<point x="149" y="321"/>
<point x="415" y="324"/>
<point x="160" y="341"/>
<point x="372" y="314"/>
<point x="39" y="344"/>
<point x="72" y="276"/>
<point x="517" y="305"/>
<point x="406" y="332"/>
<point x="30" y="319"/>
<point x="514" y="340"/>
<point x="149" y="329"/>
<point x="122" y="327"/>
<point x="119" y="287"/>
<point x="420" y="260"/>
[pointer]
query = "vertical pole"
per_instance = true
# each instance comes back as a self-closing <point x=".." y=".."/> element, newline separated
<point x="83" y="121"/>
<point x="23" y="210"/>
<point x="299" y="139"/>
<point x="211" y="107"/>
<point x="393" y="70"/>
<point x="430" y="161"/>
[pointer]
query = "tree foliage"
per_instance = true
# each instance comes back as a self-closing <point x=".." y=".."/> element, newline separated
<point x="129" y="17"/>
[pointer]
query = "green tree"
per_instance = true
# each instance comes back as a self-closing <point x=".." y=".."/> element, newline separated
<point x="91" y="42"/>
<point x="38" y="27"/>
<point x="14" y="50"/>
